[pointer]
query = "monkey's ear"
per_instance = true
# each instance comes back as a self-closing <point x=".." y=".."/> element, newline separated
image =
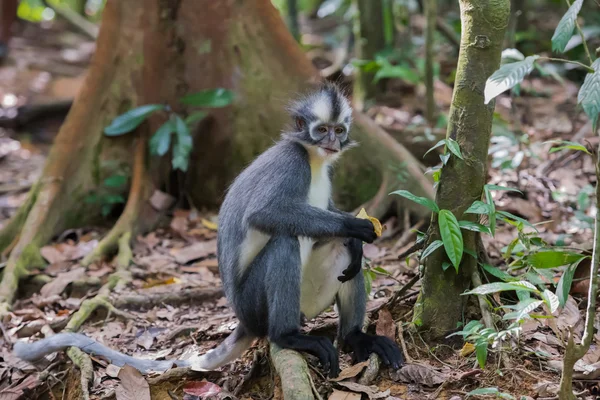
<point x="300" y="123"/>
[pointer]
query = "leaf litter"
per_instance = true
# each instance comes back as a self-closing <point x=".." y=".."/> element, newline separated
<point x="182" y="256"/>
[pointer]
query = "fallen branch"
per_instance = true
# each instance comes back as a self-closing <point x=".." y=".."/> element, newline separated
<point x="293" y="370"/>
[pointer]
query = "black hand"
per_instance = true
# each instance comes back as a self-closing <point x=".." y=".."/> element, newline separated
<point x="362" y="229"/>
<point x="363" y="345"/>
<point x="355" y="248"/>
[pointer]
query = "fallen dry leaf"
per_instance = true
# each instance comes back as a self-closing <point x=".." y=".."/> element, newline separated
<point x="133" y="386"/>
<point x="209" y="224"/>
<point x="113" y="370"/>
<point x="201" y="389"/>
<point x="341" y="395"/>
<point x="145" y="340"/>
<point x="159" y="282"/>
<point x="467" y="349"/>
<point x="58" y="284"/>
<point x="195" y="251"/>
<point x="17" y="392"/>
<point x="376" y="224"/>
<point x="385" y="324"/>
<point x="352" y="371"/>
<point x="372" y="391"/>
<point x="418" y="373"/>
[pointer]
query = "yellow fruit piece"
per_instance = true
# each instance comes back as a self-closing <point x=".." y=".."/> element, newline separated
<point x="467" y="349"/>
<point x="376" y="224"/>
<point x="209" y="224"/>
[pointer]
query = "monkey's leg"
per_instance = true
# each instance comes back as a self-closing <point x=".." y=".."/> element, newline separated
<point x="284" y="274"/>
<point x="351" y="302"/>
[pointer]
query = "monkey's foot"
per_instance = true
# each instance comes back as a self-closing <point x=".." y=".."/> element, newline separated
<point x="319" y="346"/>
<point x="363" y="345"/>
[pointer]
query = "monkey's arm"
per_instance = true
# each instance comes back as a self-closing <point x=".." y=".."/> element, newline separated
<point x="292" y="218"/>
<point x="36" y="350"/>
<point x="355" y="248"/>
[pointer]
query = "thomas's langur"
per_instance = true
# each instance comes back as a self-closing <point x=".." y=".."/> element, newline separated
<point x="284" y="251"/>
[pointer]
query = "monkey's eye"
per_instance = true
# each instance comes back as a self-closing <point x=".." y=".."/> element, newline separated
<point x="322" y="129"/>
<point x="339" y="130"/>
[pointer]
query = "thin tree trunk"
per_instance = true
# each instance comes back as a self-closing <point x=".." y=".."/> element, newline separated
<point x="370" y="38"/>
<point x="430" y="17"/>
<point x="440" y="303"/>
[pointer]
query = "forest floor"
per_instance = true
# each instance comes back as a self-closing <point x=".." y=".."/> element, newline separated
<point x="174" y="304"/>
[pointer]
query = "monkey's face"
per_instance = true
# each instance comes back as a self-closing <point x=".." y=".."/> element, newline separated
<point x="323" y="120"/>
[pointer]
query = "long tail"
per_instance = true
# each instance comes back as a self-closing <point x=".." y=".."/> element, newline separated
<point x="230" y="349"/>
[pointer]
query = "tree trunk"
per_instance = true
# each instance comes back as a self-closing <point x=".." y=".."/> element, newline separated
<point x="156" y="52"/>
<point x="440" y="303"/>
<point x="370" y="39"/>
<point x="431" y="18"/>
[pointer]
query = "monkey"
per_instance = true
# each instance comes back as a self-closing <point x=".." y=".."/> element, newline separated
<point x="285" y="252"/>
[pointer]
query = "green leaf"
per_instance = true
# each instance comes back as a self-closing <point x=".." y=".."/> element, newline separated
<point x="446" y="265"/>
<point x="565" y="144"/>
<point x="419" y="200"/>
<point x="508" y="215"/>
<point x="436" y="244"/>
<point x="368" y="281"/>
<point x="492" y="205"/>
<point x="553" y="258"/>
<point x="402" y="72"/>
<point x="564" y="29"/>
<point x="498" y="273"/>
<point x="473" y="226"/>
<point x="115" y="181"/>
<point x="380" y="270"/>
<point x="507" y="76"/>
<point x="531" y="305"/>
<point x="195" y="117"/>
<point x="551" y="300"/>
<point x="212" y="98"/>
<point x="454" y="148"/>
<point x="589" y="94"/>
<point x="161" y="140"/>
<point x="564" y="284"/>
<point x="481" y="351"/>
<point x="113" y="199"/>
<point x="127" y="122"/>
<point x="451" y="237"/>
<point x="496" y="287"/>
<point x="482" y="391"/>
<point x="498" y="187"/>
<point x="479" y="207"/>
<point x="183" y="145"/>
<point x="435" y="146"/>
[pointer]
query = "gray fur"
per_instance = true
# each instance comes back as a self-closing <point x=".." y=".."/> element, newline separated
<point x="274" y="229"/>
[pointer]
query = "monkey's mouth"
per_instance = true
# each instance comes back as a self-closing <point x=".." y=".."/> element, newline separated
<point x="329" y="150"/>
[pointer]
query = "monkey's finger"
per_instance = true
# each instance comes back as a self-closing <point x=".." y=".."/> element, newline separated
<point x="393" y="352"/>
<point x="380" y="351"/>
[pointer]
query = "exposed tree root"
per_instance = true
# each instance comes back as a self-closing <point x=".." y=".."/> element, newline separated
<point x="128" y="221"/>
<point x="119" y="277"/>
<point x="294" y="373"/>
<point x="86" y="369"/>
<point x="196" y="295"/>
<point x="370" y="373"/>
